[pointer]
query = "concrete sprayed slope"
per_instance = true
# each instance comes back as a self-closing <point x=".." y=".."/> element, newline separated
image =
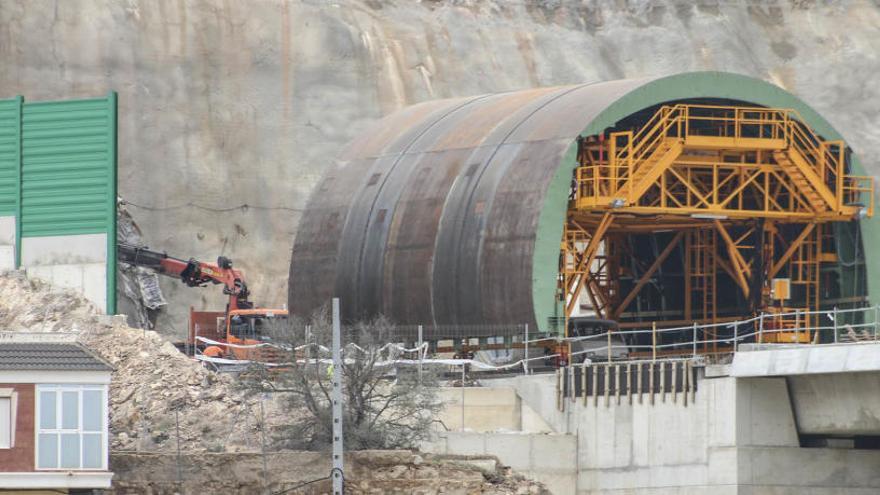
<point x="456" y="217"/>
<point x="223" y="104"/>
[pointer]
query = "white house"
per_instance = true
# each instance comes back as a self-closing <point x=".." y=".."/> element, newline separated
<point x="53" y="416"/>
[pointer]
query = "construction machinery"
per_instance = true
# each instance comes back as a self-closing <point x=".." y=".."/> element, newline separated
<point x="241" y="332"/>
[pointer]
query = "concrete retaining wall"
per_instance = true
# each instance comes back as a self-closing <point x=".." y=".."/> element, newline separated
<point x="76" y="262"/>
<point x="739" y="435"/>
<point x="488" y="409"/>
<point x="7" y="243"/>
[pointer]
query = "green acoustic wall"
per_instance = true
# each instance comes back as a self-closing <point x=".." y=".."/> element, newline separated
<point x="58" y="183"/>
<point x="10" y="155"/>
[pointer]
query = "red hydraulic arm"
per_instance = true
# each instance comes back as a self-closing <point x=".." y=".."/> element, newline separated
<point x="193" y="273"/>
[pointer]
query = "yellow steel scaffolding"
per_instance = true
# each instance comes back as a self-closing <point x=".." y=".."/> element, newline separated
<point x="725" y="180"/>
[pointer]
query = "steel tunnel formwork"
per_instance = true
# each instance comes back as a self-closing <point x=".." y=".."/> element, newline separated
<point x="451" y="212"/>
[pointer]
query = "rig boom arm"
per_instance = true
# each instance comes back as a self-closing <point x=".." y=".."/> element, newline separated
<point x="193" y="273"/>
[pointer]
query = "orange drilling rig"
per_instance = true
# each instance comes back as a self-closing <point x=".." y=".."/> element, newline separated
<point x="241" y="332"/>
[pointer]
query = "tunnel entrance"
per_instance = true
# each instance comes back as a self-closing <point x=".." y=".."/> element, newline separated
<point x="711" y="211"/>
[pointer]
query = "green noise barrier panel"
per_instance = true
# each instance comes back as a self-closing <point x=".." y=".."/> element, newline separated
<point x="58" y="172"/>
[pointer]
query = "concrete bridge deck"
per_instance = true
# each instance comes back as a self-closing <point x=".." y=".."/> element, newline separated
<point x="779" y="419"/>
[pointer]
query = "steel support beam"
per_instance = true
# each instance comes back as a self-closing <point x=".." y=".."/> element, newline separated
<point x="648" y="274"/>
<point x="587" y="258"/>
<point x="741" y="269"/>
<point x="783" y="260"/>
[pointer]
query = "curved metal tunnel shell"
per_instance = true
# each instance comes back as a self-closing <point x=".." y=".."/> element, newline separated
<point x="432" y="216"/>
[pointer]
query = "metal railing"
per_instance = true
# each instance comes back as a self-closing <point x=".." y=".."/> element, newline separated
<point x="858" y="190"/>
<point x="629" y="152"/>
<point x="525" y="349"/>
<point x="841" y="325"/>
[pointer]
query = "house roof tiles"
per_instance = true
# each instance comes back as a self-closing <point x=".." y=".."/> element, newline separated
<point x="50" y="356"/>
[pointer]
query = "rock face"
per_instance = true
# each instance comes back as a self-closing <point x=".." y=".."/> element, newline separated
<point x="229" y="111"/>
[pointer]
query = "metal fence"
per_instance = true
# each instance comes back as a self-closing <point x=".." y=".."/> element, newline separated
<point x="798" y="327"/>
<point x="514" y="348"/>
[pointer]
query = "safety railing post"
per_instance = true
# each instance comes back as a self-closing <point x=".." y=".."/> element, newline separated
<point x="630" y="165"/>
<point x="630" y="149"/>
<point x="654" y="341"/>
<point x="839" y="172"/>
<point x="834" y="322"/>
<point x="735" y="335"/>
<point x="526" y="349"/>
<point x="876" y="320"/>
<point x="612" y="153"/>
<point x="687" y="123"/>
<point x="463" y="379"/>
<point x="609" y="345"/>
<point x="694" y="342"/>
<point x="761" y="328"/>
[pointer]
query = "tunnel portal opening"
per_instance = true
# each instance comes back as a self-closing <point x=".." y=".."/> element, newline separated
<point x="701" y="212"/>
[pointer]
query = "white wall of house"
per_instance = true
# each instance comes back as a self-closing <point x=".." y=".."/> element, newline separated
<point x="71" y="431"/>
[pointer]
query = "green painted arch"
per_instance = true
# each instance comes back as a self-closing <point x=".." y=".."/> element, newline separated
<point x="654" y="92"/>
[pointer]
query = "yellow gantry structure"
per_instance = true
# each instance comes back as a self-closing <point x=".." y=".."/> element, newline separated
<point x="748" y="193"/>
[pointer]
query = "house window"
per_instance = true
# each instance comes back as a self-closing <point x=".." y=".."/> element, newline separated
<point x="72" y="430"/>
<point x="8" y="403"/>
<point x="6" y="422"/>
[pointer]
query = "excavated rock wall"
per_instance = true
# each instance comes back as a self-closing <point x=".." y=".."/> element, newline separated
<point x="230" y="111"/>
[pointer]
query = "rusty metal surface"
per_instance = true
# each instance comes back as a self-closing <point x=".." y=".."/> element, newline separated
<point x="431" y="216"/>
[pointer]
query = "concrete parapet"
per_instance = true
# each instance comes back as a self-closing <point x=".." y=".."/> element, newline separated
<point x="788" y="360"/>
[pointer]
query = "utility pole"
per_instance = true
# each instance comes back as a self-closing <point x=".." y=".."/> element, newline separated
<point x="338" y="467"/>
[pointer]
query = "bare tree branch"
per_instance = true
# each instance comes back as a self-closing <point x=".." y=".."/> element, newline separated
<point x="385" y="407"/>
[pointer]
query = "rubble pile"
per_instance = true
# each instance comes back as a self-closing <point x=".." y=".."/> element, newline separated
<point x="376" y="471"/>
<point x="31" y="305"/>
<point x="367" y="472"/>
<point x="156" y="391"/>
<point x="159" y="397"/>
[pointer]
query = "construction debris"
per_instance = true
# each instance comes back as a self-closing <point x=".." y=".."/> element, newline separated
<point x="159" y="396"/>
<point x="156" y="390"/>
<point x="140" y="287"/>
<point x="367" y="472"/>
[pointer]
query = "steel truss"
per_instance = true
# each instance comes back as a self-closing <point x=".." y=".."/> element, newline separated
<point x="746" y="194"/>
